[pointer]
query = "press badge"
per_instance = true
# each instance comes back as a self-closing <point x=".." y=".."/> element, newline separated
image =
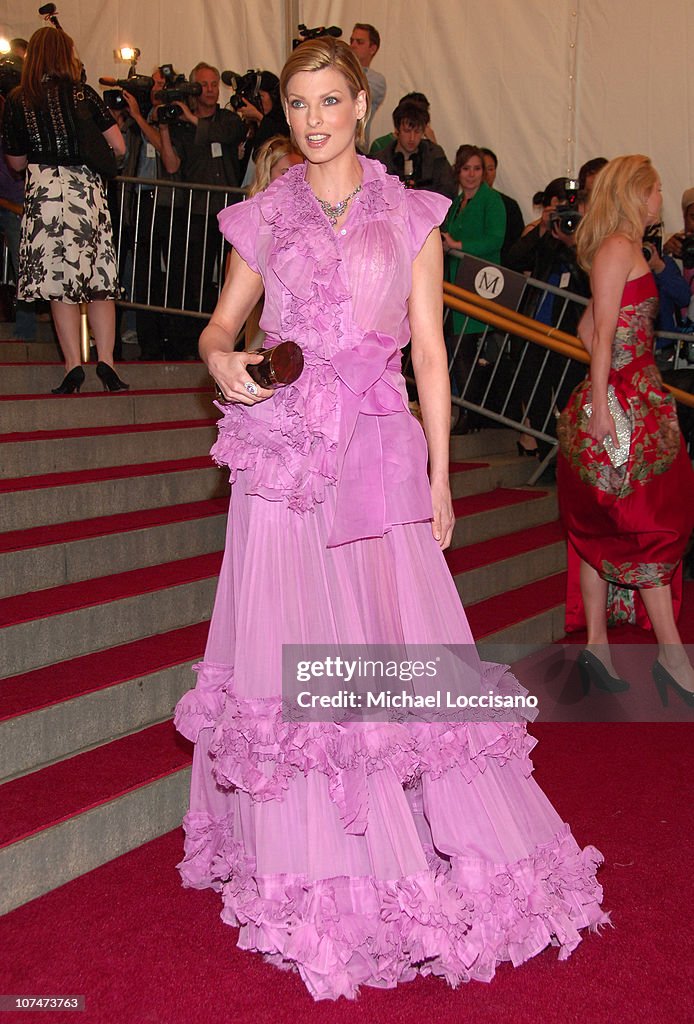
<point x="564" y="280"/>
<point x="216" y="149"/>
<point x="150" y="151"/>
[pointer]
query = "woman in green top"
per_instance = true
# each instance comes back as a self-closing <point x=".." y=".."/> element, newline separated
<point x="476" y="221"/>
<point x="476" y="224"/>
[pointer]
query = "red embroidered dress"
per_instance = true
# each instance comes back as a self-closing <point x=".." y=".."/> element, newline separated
<point x="630" y="523"/>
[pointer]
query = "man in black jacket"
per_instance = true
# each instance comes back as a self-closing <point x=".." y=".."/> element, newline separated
<point x="418" y="162"/>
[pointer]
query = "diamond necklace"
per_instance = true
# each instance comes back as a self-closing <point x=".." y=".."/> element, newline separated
<point x="333" y="213"/>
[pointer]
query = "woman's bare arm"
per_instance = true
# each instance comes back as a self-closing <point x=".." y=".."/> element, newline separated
<point x="242" y="289"/>
<point x="431" y="372"/>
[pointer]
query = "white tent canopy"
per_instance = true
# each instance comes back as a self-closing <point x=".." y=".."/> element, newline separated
<point x="547" y="84"/>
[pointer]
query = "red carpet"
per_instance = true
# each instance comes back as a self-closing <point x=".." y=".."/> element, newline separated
<point x="514" y="606"/>
<point x="490" y="500"/>
<point x="86" y="476"/>
<point x="53" y="794"/>
<point x="42" y="687"/>
<point x="472" y="556"/>
<point x="101" y="526"/>
<point x="141" y="949"/>
<point x="99" y="396"/>
<point x="128" y="428"/>
<point x="87" y="593"/>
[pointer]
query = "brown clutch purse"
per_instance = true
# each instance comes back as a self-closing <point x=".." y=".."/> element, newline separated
<point x="282" y="364"/>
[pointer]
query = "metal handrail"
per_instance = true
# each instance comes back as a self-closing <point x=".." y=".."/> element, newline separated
<point x="510" y="321"/>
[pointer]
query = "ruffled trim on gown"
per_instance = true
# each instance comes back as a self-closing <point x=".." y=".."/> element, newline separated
<point x="458" y="919"/>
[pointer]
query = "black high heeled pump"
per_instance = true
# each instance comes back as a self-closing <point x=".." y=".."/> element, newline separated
<point x="591" y="669"/>
<point x="72" y="381"/>
<point x="109" y="378"/>
<point x="663" y="680"/>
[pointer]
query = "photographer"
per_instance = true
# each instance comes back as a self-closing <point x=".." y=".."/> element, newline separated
<point x="204" y="149"/>
<point x="261" y="111"/>
<point x="147" y="214"/>
<point x="681" y="245"/>
<point x="673" y="295"/>
<point x="548" y="253"/>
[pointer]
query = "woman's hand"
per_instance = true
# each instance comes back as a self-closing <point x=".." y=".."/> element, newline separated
<point x="449" y="242"/>
<point x="228" y="370"/>
<point x="444" y="519"/>
<point x="601" y="424"/>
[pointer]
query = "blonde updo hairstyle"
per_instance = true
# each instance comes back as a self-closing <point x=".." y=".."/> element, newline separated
<point x="269" y="154"/>
<point x="329" y="52"/>
<point x="617" y="203"/>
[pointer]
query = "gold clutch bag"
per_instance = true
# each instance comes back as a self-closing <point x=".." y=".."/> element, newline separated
<point x="617" y="454"/>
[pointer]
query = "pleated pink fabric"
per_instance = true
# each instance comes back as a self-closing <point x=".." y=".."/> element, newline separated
<point x="356" y="853"/>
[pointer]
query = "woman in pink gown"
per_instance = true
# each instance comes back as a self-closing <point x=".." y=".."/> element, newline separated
<point x="355" y="853"/>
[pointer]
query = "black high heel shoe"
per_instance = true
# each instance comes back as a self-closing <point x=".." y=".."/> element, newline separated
<point x="663" y="679"/>
<point x="528" y="453"/>
<point x="72" y="381"/>
<point x="109" y="378"/>
<point x="591" y="669"/>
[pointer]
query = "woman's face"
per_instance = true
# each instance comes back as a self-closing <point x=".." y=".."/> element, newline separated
<point x="654" y="203"/>
<point x="322" y="113"/>
<point x="283" y="165"/>
<point x="470" y="175"/>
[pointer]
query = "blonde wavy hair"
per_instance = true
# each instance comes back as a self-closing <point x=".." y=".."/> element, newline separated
<point x="269" y="154"/>
<point x="617" y="203"/>
<point x="329" y="52"/>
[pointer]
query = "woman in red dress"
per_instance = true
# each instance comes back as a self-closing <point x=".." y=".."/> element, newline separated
<point x="626" y="485"/>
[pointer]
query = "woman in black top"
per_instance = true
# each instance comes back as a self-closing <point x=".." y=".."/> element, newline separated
<point x="66" y="252"/>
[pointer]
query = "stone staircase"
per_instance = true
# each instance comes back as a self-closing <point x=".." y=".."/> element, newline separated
<point x="112" y="521"/>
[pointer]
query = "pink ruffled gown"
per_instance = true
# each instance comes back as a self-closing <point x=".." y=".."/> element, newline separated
<point x="356" y="853"/>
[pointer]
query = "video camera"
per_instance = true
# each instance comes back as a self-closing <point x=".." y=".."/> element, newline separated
<point x="10" y="74"/>
<point x="566" y="215"/>
<point x="688" y="252"/>
<point x="139" y="86"/>
<point x="176" y="90"/>
<point x="246" y="88"/>
<point x="315" y="33"/>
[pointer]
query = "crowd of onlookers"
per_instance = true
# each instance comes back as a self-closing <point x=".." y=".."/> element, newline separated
<point x="195" y="140"/>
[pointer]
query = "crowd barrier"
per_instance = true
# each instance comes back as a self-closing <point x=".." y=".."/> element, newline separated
<point x="510" y="369"/>
<point x="504" y="366"/>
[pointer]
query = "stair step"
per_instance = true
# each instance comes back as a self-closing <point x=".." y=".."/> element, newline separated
<point x="40" y="378"/>
<point x="42" y="452"/>
<point x="30" y="352"/>
<point x="85" y="494"/>
<point x="491" y="567"/>
<point x="482" y="444"/>
<point x="68" y="818"/>
<point x="50" y="556"/>
<point x="523" y="619"/>
<point x="499" y="470"/>
<point x="500" y="511"/>
<point x="64" y="622"/>
<point x="54" y="412"/>
<point x="61" y="709"/>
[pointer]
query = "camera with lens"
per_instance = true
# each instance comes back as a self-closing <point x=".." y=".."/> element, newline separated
<point x="139" y="86"/>
<point x="566" y="215"/>
<point x="246" y="88"/>
<point x="688" y="252"/>
<point x="10" y="74"/>
<point x="177" y="89"/>
<point x="315" y="33"/>
<point x="653" y="241"/>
